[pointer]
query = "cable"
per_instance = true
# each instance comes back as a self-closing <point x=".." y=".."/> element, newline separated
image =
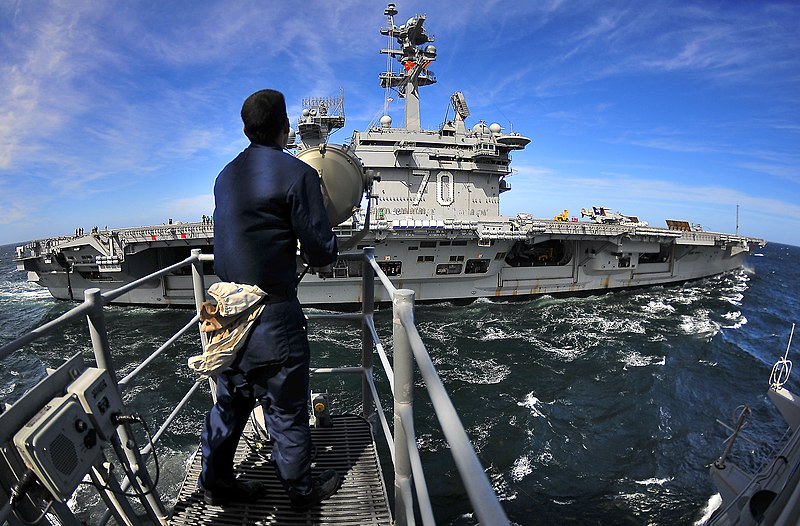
<point x="130" y="419"/>
<point x="38" y="519"/>
<point x="20" y="490"/>
<point x="262" y="439"/>
<point x="21" y="487"/>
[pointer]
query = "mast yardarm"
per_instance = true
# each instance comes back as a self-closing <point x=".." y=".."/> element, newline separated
<point x="415" y="56"/>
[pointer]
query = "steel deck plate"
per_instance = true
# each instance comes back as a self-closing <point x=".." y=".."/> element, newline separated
<point x="347" y="447"/>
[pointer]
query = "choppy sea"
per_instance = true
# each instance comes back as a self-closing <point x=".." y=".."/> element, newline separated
<point x="597" y="410"/>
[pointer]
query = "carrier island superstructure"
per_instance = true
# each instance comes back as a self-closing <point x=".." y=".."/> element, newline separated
<point x="434" y="218"/>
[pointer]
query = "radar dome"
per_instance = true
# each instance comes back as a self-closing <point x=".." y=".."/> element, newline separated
<point x="305" y="112"/>
<point x="495" y="128"/>
<point x="386" y="122"/>
<point x="342" y="175"/>
<point x="480" y="128"/>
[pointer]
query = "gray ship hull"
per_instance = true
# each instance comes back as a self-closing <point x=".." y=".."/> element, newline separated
<point x="519" y="259"/>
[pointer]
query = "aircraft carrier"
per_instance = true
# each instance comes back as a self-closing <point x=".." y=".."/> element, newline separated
<point x="433" y="217"/>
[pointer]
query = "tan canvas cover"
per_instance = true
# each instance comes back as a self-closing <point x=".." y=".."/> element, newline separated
<point x="227" y="323"/>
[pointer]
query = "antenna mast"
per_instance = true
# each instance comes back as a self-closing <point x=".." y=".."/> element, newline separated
<point x="737" y="220"/>
<point x="415" y="62"/>
<point x="390" y="11"/>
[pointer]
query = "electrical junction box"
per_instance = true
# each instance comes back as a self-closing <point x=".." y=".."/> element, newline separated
<point x="99" y="397"/>
<point x="59" y="444"/>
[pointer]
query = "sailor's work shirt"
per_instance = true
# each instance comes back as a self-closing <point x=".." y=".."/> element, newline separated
<point x="265" y="201"/>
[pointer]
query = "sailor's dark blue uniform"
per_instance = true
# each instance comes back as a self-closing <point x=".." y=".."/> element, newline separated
<point x="265" y="201"/>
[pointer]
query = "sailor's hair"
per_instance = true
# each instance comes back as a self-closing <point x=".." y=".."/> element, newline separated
<point x="264" y="116"/>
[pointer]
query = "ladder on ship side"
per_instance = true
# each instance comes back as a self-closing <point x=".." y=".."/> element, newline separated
<point x="35" y="487"/>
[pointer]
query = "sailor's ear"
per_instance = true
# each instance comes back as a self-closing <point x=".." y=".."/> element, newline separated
<point x="286" y="126"/>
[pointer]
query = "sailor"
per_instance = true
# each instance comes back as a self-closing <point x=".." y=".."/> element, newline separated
<point x="265" y="201"/>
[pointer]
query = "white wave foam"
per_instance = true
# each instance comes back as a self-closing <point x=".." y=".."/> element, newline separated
<point x="22" y="291"/>
<point x="634" y="359"/>
<point x="737" y="318"/>
<point x="531" y="402"/>
<point x="567" y="354"/>
<point x="699" y="325"/>
<point x="501" y="486"/>
<point x="481" y="372"/>
<point x="426" y="442"/>
<point x="658" y="307"/>
<point x="654" y="481"/>
<point x="734" y="299"/>
<point x="713" y="504"/>
<point x="545" y="457"/>
<point x="521" y="468"/>
<point x="481" y="434"/>
<point x="495" y="333"/>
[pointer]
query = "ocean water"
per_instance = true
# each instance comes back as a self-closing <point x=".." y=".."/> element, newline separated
<point x="597" y="410"/>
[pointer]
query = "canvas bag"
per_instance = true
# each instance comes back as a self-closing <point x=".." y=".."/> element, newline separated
<point x="227" y="324"/>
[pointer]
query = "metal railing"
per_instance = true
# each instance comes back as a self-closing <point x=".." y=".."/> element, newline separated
<point x="408" y="348"/>
<point x="410" y="488"/>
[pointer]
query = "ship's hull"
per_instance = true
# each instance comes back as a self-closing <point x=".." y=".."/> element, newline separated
<point x="439" y="264"/>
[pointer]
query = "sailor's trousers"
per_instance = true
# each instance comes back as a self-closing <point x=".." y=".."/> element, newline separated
<point x="273" y="369"/>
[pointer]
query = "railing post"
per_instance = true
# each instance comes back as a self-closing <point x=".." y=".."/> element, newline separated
<point x="367" y="310"/>
<point x="124" y="444"/>
<point x="403" y="359"/>
<point x="198" y="282"/>
<point x="97" y="331"/>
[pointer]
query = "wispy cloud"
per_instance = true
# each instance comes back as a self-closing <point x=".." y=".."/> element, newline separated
<point x="725" y="45"/>
<point x="188" y="207"/>
<point x="36" y="93"/>
<point x="649" y="198"/>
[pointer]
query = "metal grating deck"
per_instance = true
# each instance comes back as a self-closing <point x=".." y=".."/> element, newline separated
<point x="347" y="447"/>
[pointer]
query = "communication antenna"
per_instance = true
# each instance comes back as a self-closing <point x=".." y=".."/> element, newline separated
<point x="737" y="220"/>
<point x="390" y="11"/>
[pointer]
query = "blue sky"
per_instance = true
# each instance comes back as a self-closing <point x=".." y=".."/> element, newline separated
<point x="121" y="113"/>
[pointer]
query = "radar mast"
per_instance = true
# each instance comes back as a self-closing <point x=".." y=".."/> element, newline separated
<point x="321" y="116"/>
<point x="415" y="59"/>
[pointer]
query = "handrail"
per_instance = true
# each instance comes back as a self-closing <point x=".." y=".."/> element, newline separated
<point x="123" y="442"/>
<point x="408" y="349"/>
<point x="480" y="491"/>
<point x="17" y="344"/>
<point x="123" y="384"/>
<point x="116" y="293"/>
<point x="387" y="284"/>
